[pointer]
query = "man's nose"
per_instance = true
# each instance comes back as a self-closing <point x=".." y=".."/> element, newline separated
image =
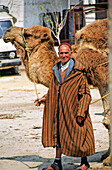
<point x="64" y="54"/>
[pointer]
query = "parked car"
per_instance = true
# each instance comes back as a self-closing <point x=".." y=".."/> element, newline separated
<point x="9" y="60"/>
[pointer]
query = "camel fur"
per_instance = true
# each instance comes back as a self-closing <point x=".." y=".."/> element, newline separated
<point x="39" y="56"/>
<point x="91" y="49"/>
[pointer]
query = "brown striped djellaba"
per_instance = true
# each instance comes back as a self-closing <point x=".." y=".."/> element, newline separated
<point x="36" y="47"/>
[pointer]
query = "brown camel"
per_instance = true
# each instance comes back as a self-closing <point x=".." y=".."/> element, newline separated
<point x="90" y="49"/>
<point x="40" y="55"/>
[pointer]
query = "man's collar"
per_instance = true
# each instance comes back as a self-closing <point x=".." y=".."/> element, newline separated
<point x="56" y="69"/>
<point x="64" y="67"/>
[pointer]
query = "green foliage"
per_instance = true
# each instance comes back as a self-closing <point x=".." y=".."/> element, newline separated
<point x="47" y="20"/>
<point x="53" y="21"/>
<point x="41" y="7"/>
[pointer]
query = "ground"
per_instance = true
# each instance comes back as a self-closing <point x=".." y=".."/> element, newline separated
<point x="21" y="127"/>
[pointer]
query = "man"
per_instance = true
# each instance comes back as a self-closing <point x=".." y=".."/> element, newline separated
<point x="66" y="121"/>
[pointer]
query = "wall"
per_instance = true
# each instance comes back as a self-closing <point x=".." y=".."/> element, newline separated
<point x="28" y="12"/>
<point x="32" y="10"/>
<point x="91" y="16"/>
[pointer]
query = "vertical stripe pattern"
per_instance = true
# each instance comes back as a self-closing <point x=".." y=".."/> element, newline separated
<point x="73" y="99"/>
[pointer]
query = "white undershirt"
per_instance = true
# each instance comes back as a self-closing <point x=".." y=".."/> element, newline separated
<point x="64" y="67"/>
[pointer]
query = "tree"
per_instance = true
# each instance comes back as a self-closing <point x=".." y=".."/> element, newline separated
<point x="57" y="20"/>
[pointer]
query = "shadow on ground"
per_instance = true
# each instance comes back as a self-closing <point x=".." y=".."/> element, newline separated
<point x="69" y="163"/>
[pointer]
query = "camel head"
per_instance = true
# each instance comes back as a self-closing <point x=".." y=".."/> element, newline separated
<point x="36" y="48"/>
<point x="14" y="35"/>
<point x="34" y="36"/>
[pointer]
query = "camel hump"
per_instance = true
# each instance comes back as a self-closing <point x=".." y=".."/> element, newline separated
<point x="96" y="33"/>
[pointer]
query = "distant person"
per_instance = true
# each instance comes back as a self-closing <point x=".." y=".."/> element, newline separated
<point x="66" y="122"/>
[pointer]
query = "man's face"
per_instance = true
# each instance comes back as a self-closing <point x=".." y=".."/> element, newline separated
<point x="64" y="54"/>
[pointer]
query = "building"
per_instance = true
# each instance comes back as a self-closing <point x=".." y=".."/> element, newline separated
<point x="80" y="13"/>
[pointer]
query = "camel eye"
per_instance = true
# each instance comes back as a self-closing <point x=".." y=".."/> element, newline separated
<point x="8" y="30"/>
<point x="27" y="35"/>
<point x="35" y="37"/>
<point x="45" y="35"/>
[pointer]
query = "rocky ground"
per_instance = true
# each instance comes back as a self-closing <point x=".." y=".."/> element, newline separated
<point x="21" y="127"/>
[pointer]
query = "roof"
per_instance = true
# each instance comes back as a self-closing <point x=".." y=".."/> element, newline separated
<point x="5" y="16"/>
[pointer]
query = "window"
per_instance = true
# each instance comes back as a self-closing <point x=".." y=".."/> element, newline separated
<point x="4" y="25"/>
<point x="102" y="8"/>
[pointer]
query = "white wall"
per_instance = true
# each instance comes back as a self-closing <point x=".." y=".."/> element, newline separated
<point x="91" y="16"/>
<point x="32" y="10"/>
<point x="27" y="11"/>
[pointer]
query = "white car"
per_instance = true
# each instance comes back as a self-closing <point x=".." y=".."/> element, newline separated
<point x="8" y="57"/>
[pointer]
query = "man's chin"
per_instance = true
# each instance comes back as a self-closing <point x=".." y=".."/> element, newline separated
<point x="64" y="61"/>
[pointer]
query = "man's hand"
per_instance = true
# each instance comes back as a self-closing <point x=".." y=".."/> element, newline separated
<point x="80" y="119"/>
<point x="39" y="101"/>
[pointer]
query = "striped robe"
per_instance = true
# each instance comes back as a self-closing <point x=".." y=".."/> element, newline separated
<point x="65" y="101"/>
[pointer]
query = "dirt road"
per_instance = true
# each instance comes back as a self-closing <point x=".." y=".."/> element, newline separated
<point x="21" y="127"/>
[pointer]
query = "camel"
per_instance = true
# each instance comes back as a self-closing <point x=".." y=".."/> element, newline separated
<point x="91" y="49"/>
<point x="40" y="55"/>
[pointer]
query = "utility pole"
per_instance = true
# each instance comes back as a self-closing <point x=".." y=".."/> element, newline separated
<point x="110" y="64"/>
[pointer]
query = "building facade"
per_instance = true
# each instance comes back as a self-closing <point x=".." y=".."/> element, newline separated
<point x="32" y="12"/>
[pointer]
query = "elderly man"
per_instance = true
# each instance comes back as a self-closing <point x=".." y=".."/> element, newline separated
<point x="66" y="121"/>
